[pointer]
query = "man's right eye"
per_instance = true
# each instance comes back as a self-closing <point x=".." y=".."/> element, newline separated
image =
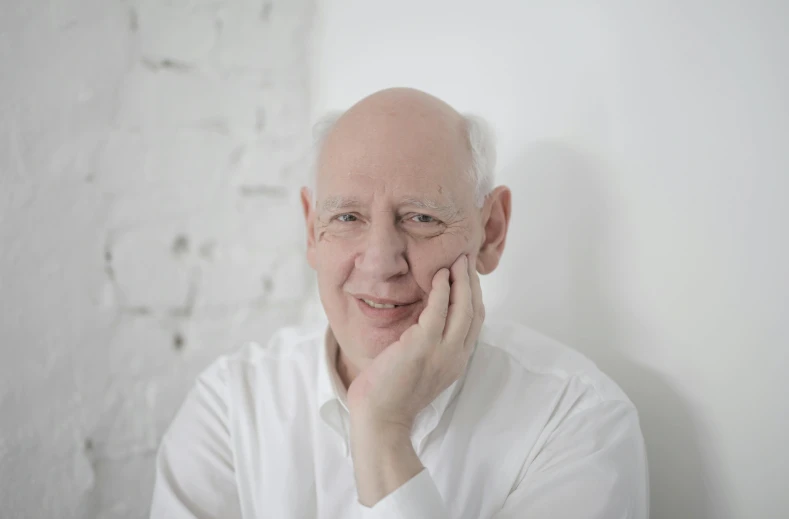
<point x="347" y="218"/>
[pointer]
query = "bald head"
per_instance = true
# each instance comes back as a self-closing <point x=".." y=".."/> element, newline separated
<point x="409" y="131"/>
<point x="405" y="106"/>
<point x="399" y="129"/>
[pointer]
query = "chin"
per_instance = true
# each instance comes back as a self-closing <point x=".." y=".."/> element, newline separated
<point x="376" y="340"/>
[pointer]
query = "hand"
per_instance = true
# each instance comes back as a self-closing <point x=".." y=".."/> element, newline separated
<point x="427" y="358"/>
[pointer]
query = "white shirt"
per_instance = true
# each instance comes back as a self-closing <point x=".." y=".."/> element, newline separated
<point x="532" y="430"/>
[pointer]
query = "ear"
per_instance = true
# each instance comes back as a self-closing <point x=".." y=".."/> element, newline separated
<point x="495" y="221"/>
<point x="309" y="219"/>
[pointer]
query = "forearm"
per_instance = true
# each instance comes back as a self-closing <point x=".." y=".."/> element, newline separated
<point x="383" y="458"/>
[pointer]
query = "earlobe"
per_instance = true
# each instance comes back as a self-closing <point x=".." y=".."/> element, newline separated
<point x="481" y="266"/>
<point x="487" y="262"/>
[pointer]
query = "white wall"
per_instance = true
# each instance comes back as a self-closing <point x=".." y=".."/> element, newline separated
<point x="647" y="147"/>
<point x="149" y="221"/>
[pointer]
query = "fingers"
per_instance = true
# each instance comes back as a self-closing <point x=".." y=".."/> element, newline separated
<point x="479" y="309"/>
<point x="434" y="316"/>
<point x="460" y="312"/>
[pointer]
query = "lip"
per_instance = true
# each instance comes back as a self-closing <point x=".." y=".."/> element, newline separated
<point x="384" y="315"/>
<point x="382" y="301"/>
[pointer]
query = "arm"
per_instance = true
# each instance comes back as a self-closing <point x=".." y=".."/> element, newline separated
<point x="385" y="398"/>
<point x="384" y="459"/>
<point x="194" y="467"/>
<point x="390" y="474"/>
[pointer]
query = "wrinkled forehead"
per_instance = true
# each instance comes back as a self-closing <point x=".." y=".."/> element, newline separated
<point x="403" y="154"/>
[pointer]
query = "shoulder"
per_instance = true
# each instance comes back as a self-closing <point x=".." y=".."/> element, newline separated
<point x="232" y="401"/>
<point x="553" y="397"/>
<point x="532" y="356"/>
<point x="290" y="349"/>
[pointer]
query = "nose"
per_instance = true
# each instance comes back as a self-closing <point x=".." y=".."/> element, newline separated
<point x="383" y="252"/>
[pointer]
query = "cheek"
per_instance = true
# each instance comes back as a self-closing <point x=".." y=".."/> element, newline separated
<point x="334" y="262"/>
<point x="429" y="257"/>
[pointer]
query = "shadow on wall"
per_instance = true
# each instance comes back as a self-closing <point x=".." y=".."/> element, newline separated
<point x="562" y="250"/>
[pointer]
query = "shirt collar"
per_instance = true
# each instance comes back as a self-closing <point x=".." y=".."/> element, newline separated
<point x="330" y="387"/>
<point x="330" y="391"/>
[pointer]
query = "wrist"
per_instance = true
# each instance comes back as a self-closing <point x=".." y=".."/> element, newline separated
<point x="378" y="441"/>
<point x="383" y="457"/>
<point x="388" y="429"/>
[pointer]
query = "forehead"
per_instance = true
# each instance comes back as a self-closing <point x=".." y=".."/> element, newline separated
<point x="412" y="155"/>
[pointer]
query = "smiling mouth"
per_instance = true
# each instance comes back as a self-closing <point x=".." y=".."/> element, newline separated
<point x="373" y="304"/>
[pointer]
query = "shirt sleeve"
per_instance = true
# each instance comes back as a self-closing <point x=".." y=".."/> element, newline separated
<point x="593" y="467"/>
<point x="195" y="476"/>
<point x="417" y="498"/>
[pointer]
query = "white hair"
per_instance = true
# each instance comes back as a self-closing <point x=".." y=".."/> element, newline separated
<point x="481" y="143"/>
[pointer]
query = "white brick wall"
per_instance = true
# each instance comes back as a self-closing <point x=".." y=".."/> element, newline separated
<point x="150" y="157"/>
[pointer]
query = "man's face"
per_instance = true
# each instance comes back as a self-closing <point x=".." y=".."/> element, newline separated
<point x="393" y="205"/>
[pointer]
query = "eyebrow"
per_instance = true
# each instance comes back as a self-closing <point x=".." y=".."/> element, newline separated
<point x="337" y="203"/>
<point x="447" y="210"/>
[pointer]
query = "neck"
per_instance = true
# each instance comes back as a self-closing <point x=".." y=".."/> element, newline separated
<point x="345" y="369"/>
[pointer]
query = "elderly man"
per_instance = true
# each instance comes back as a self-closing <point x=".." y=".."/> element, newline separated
<point x="406" y="406"/>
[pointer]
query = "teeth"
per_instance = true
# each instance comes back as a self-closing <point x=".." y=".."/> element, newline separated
<point x="376" y="305"/>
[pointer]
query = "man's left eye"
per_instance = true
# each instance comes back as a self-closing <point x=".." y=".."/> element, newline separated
<point x="423" y="218"/>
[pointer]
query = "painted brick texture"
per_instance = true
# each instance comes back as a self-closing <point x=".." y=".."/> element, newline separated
<point x="151" y="154"/>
